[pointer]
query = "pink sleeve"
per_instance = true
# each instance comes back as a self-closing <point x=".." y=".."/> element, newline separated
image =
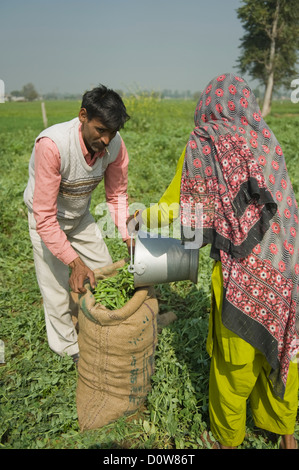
<point x="47" y="182"/>
<point x="116" y="184"/>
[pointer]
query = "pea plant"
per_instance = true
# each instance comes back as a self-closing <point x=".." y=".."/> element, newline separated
<point x="37" y="387"/>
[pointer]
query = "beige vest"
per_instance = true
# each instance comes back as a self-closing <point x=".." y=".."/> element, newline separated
<point x="78" y="179"/>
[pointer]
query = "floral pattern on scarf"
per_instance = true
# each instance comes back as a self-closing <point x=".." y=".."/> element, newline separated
<point x="235" y="170"/>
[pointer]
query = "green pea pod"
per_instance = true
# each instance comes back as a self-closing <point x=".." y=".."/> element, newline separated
<point x="114" y="292"/>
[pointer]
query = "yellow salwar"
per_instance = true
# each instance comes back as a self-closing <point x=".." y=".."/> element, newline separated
<point x="240" y="372"/>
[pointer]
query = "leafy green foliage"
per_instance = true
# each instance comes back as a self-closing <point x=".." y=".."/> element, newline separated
<point x="38" y="388"/>
<point x="257" y="18"/>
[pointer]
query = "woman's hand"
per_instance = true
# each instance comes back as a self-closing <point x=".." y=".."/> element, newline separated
<point x="134" y="222"/>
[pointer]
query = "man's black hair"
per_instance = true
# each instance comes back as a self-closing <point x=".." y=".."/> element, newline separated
<point x="105" y="105"/>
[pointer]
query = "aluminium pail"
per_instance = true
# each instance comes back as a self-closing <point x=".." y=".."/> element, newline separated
<point x="159" y="260"/>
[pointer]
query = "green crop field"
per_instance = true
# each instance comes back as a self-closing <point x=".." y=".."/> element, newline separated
<point x="37" y="387"/>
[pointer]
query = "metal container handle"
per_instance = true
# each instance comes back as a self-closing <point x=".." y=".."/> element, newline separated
<point x="131" y="267"/>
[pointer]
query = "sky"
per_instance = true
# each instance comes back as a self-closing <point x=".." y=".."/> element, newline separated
<point x="69" y="46"/>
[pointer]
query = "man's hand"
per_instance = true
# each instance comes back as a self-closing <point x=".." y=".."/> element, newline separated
<point x="79" y="273"/>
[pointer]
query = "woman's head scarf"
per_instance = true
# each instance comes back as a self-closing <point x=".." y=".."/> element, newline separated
<point x="236" y="192"/>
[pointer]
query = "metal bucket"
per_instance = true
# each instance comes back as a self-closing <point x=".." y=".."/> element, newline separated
<point x="159" y="260"/>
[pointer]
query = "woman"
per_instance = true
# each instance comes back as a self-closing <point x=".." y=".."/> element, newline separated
<point x="233" y="168"/>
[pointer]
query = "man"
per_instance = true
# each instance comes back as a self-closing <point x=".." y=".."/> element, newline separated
<point x="67" y="163"/>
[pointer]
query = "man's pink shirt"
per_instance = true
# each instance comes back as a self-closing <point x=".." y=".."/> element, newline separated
<point x="47" y="182"/>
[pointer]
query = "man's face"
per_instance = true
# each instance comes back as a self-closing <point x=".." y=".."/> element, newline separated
<point x="96" y="135"/>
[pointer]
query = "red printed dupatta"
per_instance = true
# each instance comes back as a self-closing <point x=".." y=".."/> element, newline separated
<point x="235" y="170"/>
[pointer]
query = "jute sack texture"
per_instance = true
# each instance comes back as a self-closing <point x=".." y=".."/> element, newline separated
<point x="116" y="354"/>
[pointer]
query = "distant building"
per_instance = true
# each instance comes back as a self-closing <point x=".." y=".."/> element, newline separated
<point x="15" y="98"/>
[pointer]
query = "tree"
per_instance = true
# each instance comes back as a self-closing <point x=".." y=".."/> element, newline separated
<point x="16" y="93"/>
<point x="29" y="92"/>
<point x="270" y="44"/>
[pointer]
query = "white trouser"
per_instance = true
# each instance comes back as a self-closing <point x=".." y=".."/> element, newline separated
<point x="53" y="277"/>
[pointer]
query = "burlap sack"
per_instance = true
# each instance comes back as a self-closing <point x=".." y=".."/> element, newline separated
<point x="116" y="355"/>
